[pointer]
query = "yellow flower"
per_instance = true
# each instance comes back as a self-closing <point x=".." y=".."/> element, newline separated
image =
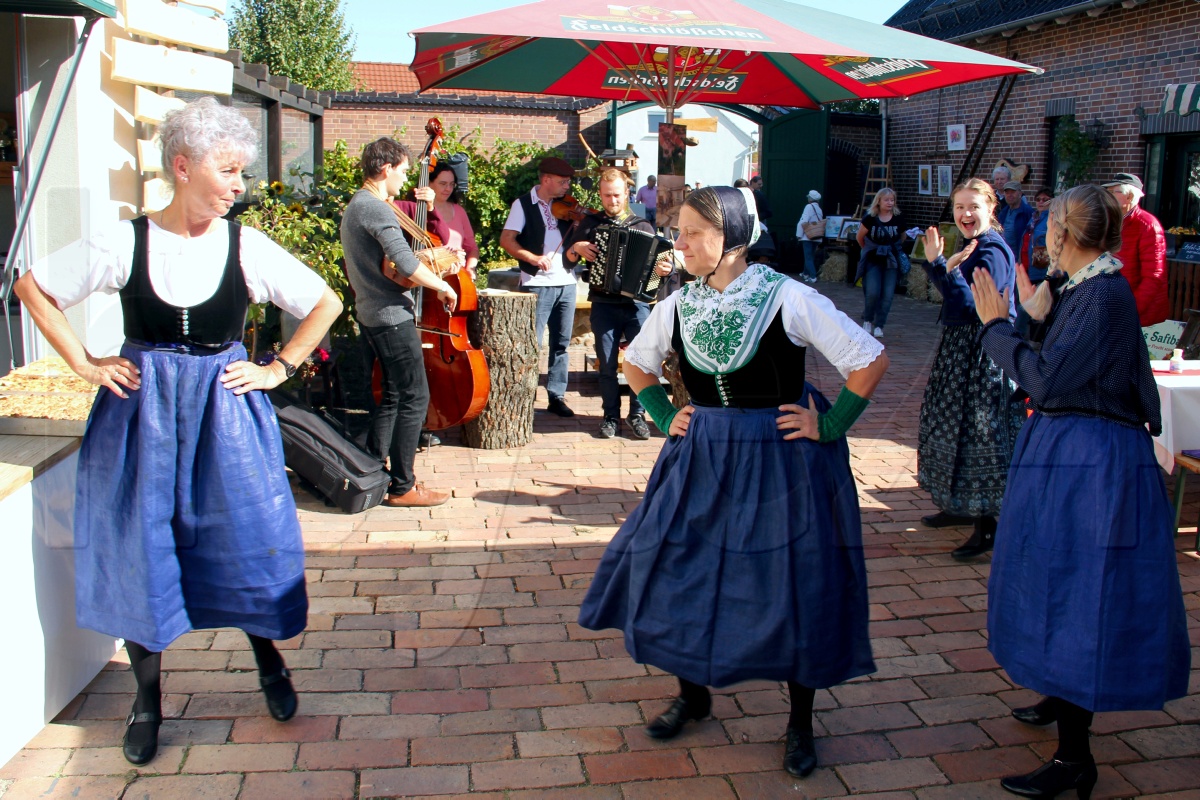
<point x="296" y="208"/>
<point x="277" y="187"/>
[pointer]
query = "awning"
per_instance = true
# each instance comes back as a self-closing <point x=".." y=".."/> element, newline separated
<point x="1181" y="98"/>
<point x="60" y="8"/>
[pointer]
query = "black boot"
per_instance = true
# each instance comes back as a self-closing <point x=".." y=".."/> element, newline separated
<point x="1054" y="778"/>
<point x="944" y="520"/>
<point x="274" y="678"/>
<point x="981" y="541"/>
<point x="1041" y="713"/>
<point x="694" y="702"/>
<point x="799" y="754"/>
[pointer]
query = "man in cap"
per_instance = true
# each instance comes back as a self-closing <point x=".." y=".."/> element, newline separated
<point x="534" y="237"/>
<point x="1143" y="250"/>
<point x="1014" y="215"/>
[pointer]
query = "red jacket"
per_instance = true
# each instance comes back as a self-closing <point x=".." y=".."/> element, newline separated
<point x="1144" y="256"/>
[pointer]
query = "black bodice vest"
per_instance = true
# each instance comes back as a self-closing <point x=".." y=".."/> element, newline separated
<point x="211" y="325"/>
<point x="773" y="375"/>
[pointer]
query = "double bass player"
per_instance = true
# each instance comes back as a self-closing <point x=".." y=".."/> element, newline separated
<point x="384" y="310"/>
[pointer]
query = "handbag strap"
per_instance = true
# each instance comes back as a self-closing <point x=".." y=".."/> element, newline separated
<point x="820" y="215"/>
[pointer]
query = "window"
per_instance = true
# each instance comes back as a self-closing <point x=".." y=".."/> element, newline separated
<point x="296" y="146"/>
<point x="653" y="121"/>
<point x="255" y="110"/>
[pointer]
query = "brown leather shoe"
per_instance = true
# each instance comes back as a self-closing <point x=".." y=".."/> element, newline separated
<point x="417" y="497"/>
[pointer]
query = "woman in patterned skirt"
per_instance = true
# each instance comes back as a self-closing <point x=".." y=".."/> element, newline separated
<point x="1084" y="603"/>
<point x="970" y="417"/>
<point x="744" y="560"/>
<point x="184" y="518"/>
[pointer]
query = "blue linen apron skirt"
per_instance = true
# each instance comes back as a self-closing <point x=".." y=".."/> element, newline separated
<point x="1084" y="601"/>
<point x="183" y="516"/>
<point x="744" y="559"/>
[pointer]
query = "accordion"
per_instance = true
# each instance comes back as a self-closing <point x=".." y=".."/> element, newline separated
<point x="625" y="262"/>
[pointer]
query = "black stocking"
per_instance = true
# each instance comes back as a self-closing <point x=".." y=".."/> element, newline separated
<point x="800" y="717"/>
<point x="697" y="696"/>
<point x="1073" y="724"/>
<point x="265" y="653"/>
<point x="147" y="670"/>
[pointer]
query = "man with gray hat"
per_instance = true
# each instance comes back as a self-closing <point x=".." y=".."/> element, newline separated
<point x="1013" y="215"/>
<point x="533" y="236"/>
<point x="1143" y="250"/>
<point x="812" y="214"/>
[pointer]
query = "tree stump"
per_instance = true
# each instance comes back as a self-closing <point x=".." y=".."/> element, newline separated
<point x="503" y="329"/>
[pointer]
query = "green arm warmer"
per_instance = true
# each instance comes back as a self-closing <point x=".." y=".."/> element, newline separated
<point x="660" y="408"/>
<point x="834" y="423"/>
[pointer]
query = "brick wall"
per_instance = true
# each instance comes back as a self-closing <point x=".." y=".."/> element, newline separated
<point x="358" y="124"/>
<point x="1109" y="64"/>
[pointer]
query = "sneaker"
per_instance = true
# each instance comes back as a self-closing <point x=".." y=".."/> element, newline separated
<point x="879" y="333"/>
<point x="640" y="429"/>
<point x="867" y="327"/>
<point x="557" y="406"/>
<point x="608" y="428"/>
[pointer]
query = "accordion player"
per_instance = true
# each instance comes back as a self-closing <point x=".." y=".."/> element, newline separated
<point x="626" y="259"/>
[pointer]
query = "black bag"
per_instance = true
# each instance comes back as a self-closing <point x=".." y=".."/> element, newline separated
<point x="318" y="451"/>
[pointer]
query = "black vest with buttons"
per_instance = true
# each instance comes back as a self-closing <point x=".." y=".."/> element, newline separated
<point x="773" y="375"/>
<point x="210" y="325"/>
<point x="533" y="236"/>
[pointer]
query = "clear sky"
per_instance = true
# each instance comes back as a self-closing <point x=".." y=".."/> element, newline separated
<point x="382" y="26"/>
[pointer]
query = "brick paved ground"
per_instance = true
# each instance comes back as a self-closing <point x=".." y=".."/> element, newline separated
<point x="442" y="655"/>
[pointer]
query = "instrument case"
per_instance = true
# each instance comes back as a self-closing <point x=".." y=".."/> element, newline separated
<point x="316" y="448"/>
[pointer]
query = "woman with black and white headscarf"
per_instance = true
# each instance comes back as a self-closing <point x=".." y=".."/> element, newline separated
<point x="744" y="560"/>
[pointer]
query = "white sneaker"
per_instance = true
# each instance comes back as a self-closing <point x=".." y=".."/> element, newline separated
<point x="867" y="327"/>
<point x="879" y="333"/>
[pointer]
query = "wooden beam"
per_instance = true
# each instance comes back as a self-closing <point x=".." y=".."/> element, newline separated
<point x="150" y="107"/>
<point x="157" y="20"/>
<point x="155" y="65"/>
<point x="149" y="156"/>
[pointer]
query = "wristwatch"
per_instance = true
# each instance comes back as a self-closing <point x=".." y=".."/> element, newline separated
<point x="288" y="369"/>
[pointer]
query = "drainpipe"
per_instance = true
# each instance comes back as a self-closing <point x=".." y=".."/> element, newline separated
<point x="883" y="109"/>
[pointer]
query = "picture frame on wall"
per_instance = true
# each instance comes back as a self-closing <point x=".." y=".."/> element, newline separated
<point x="850" y="229"/>
<point x="924" y="179"/>
<point x="945" y="180"/>
<point x="956" y="137"/>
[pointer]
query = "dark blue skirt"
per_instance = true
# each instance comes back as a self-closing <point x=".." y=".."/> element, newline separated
<point x="183" y="515"/>
<point x="744" y="559"/>
<point x="1084" y="601"/>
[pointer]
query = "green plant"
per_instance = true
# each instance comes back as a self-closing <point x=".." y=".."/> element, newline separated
<point x="1077" y="150"/>
<point x="305" y="40"/>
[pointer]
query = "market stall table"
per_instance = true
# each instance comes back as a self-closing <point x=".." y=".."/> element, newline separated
<point x="1179" y="395"/>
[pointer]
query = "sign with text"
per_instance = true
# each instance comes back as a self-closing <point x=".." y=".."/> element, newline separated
<point x="1162" y="338"/>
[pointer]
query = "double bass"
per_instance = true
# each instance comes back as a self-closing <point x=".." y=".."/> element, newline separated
<point x="456" y="370"/>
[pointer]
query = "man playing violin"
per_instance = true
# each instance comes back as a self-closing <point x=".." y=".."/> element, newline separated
<point x="385" y="315"/>
<point x="533" y="236"/>
<point x="613" y="315"/>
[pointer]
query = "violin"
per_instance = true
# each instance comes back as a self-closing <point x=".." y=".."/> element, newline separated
<point x="568" y="209"/>
<point x="457" y="372"/>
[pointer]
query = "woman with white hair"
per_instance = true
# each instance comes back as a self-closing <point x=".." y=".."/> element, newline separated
<point x="184" y="518"/>
<point x="812" y="214"/>
<point x="1143" y="253"/>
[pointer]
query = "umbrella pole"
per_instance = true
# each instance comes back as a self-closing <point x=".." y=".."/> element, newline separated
<point x="672" y="93"/>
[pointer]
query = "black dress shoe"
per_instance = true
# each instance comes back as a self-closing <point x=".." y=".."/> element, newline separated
<point x="557" y="406"/>
<point x="280" y="694"/>
<point x="982" y="539"/>
<point x="944" y="520"/>
<point x="1041" y="713"/>
<point x="141" y="737"/>
<point x="1052" y="779"/>
<point x="670" y="723"/>
<point x="428" y="440"/>
<point x="799" y="754"/>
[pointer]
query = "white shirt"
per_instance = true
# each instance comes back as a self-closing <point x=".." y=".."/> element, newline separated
<point x="809" y="318"/>
<point x="812" y="213"/>
<point x="557" y="275"/>
<point x="183" y="271"/>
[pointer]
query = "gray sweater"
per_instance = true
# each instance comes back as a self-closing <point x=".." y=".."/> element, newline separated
<point x="369" y="230"/>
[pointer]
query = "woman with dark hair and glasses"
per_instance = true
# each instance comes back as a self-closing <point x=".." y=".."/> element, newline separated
<point x="744" y="560"/>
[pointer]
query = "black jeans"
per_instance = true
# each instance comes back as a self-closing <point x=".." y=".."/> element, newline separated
<point x="396" y="422"/>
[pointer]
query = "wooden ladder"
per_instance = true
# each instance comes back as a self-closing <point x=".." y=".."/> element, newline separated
<point x="878" y="176"/>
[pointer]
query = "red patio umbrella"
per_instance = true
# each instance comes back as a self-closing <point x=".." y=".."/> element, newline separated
<point x="758" y="52"/>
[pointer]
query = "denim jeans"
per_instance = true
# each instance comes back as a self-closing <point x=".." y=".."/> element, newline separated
<point x="396" y="422"/>
<point x="609" y="322"/>
<point x="650" y="215"/>
<point x="810" y="257"/>
<point x="556" y="308"/>
<point x="879" y="286"/>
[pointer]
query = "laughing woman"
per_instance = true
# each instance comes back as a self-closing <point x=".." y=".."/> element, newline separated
<point x="744" y="560"/>
<point x="184" y="518"/>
